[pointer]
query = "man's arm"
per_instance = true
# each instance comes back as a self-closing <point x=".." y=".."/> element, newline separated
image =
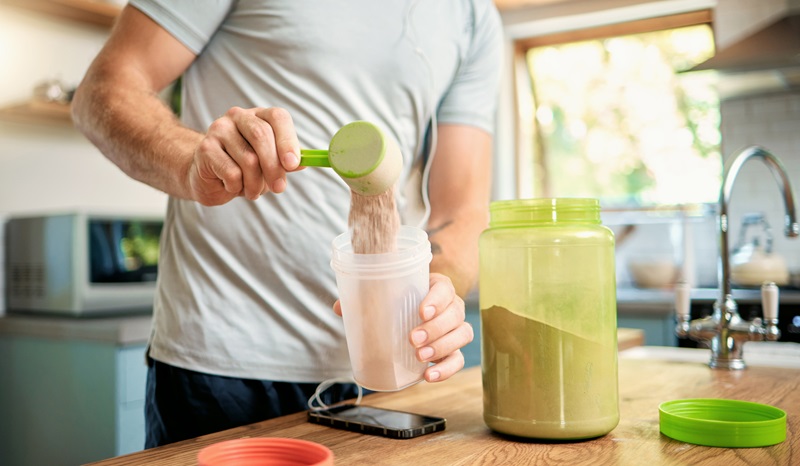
<point x="460" y="181"/>
<point x="118" y="108"/>
<point x="460" y="188"/>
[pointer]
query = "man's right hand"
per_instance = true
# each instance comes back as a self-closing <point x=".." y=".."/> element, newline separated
<point x="246" y="152"/>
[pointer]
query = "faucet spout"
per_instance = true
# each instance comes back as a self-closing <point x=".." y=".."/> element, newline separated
<point x="792" y="228"/>
<point x="725" y="332"/>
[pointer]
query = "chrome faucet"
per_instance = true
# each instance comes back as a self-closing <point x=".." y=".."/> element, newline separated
<point x="724" y="330"/>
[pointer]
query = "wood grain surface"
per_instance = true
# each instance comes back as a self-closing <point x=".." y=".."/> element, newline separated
<point x="644" y="384"/>
<point x="629" y="337"/>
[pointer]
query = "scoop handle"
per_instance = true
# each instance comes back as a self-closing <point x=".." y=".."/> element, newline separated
<point x="314" y="158"/>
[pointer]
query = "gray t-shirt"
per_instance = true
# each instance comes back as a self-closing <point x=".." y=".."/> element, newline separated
<point x="245" y="289"/>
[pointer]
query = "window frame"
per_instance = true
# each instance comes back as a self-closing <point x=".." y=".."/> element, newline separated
<point x="530" y="167"/>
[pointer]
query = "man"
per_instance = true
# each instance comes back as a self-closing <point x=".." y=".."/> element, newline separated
<point x="242" y="326"/>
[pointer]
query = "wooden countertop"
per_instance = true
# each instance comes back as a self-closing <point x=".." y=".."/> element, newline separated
<point x="629" y="338"/>
<point x="644" y="384"/>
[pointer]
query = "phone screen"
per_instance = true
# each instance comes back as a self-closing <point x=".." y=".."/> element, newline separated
<point x="377" y="421"/>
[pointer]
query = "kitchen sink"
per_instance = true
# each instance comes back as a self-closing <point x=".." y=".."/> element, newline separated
<point x="756" y="353"/>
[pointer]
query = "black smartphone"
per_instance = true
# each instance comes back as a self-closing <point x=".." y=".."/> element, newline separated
<point x="377" y="421"/>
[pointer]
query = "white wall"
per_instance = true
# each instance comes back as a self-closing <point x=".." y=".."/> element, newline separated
<point x="53" y="167"/>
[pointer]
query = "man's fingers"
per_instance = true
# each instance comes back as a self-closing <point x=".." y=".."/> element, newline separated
<point x="282" y="152"/>
<point x="246" y="152"/>
<point x="439" y="296"/>
<point x="215" y="164"/>
<point x="285" y="143"/>
<point x="252" y="145"/>
<point x="445" y="368"/>
<point x="441" y="324"/>
<point x="452" y="341"/>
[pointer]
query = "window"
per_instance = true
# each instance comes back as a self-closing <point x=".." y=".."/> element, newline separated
<point x="610" y="115"/>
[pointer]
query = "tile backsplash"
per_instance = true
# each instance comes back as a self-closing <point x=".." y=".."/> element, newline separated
<point x="773" y="122"/>
<point x="689" y="242"/>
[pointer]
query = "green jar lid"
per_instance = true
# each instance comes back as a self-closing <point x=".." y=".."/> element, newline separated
<point x="524" y="212"/>
<point x="722" y="423"/>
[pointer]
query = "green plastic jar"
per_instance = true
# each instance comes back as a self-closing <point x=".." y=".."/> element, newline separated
<point x="548" y="320"/>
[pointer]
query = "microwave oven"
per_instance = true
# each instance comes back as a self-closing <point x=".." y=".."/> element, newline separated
<point x="81" y="263"/>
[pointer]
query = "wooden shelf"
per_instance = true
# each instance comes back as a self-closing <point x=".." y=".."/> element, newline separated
<point x="96" y="12"/>
<point x="505" y="5"/>
<point x="38" y="111"/>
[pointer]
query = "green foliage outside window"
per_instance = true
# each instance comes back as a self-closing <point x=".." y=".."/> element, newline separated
<point x="616" y="120"/>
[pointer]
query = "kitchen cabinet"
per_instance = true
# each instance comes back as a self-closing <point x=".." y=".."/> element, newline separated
<point x="658" y="330"/>
<point x="88" y="12"/>
<point x="650" y="310"/>
<point x="93" y="12"/>
<point x="72" y="389"/>
<point x="653" y="310"/>
<point x="38" y="111"/>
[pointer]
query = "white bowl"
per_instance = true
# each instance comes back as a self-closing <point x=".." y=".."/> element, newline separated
<point x="653" y="273"/>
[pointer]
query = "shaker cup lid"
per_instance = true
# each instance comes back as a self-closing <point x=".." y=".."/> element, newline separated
<point x="265" y="451"/>
<point x="722" y="423"/>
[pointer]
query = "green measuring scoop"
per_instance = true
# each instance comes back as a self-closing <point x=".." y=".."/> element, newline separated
<point x="314" y="158"/>
<point x="362" y="155"/>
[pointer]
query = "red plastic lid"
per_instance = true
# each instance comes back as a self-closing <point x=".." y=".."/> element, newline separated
<point x="265" y="451"/>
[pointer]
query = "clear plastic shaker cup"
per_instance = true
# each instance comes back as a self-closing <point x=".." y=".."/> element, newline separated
<point x="380" y="296"/>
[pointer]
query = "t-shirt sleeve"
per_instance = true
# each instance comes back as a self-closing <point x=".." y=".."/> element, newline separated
<point x="193" y="23"/>
<point x="473" y="94"/>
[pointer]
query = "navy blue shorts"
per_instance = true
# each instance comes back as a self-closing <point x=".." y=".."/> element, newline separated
<point x="181" y="404"/>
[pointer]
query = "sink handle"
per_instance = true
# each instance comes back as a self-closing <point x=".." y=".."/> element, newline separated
<point x="769" y="305"/>
<point x="769" y="300"/>
<point x="682" y="302"/>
